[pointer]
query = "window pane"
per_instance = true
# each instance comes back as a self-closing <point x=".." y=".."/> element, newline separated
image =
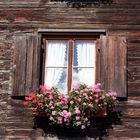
<point x="56" y="77"/>
<point x="84" y="62"/>
<point x="84" y="54"/>
<point x="83" y="75"/>
<point x="56" y="54"/>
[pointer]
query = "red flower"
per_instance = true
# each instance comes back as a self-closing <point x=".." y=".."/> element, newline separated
<point x="32" y="95"/>
<point x="25" y="103"/>
<point x="26" y="98"/>
<point x="42" y="88"/>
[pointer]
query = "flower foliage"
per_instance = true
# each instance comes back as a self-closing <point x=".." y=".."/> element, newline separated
<point x="72" y="110"/>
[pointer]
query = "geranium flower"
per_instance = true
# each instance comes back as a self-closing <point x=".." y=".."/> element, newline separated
<point x="42" y="88"/>
<point x="83" y="127"/>
<point x="74" y="109"/>
<point x="78" y="123"/>
<point x="25" y="103"/>
<point x="59" y="120"/>
<point x="53" y="113"/>
<point x="78" y="118"/>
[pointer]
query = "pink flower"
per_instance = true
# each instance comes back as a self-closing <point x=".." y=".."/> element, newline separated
<point x="71" y="102"/>
<point x="76" y="108"/>
<point x="83" y="127"/>
<point x="51" y="97"/>
<point x="78" y="123"/>
<point x="85" y="94"/>
<point x="60" y="96"/>
<point x="77" y="111"/>
<point x="79" y="99"/>
<point x="40" y="105"/>
<point x="65" y="119"/>
<point x="53" y="113"/>
<point x="52" y="107"/>
<point x="97" y="90"/>
<point x="90" y="97"/>
<point x="66" y="97"/>
<point x="96" y="95"/>
<point x="90" y="105"/>
<point x="26" y="98"/>
<point x="86" y="119"/>
<point x="64" y="101"/>
<point x="51" y="118"/>
<point x="87" y="97"/>
<point x="25" y="103"/>
<point x="114" y="98"/>
<point x="86" y="90"/>
<point x="98" y="84"/>
<point x="34" y="109"/>
<point x="42" y="88"/>
<point x="78" y="118"/>
<point x="112" y="93"/>
<point x="107" y="95"/>
<point x="96" y="101"/>
<point x="88" y="123"/>
<point x="65" y="114"/>
<point x="39" y="95"/>
<point x="59" y="120"/>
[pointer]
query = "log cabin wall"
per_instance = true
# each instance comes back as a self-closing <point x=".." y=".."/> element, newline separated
<point x="20" y="21"/>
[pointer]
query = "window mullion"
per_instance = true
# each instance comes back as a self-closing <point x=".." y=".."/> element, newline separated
<point x="70" y="61"/>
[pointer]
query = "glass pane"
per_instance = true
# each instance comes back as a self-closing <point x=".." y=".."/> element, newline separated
<point x="84" y="54"/>
<point x="83" y="75"/>
<point x="56" y="54"/>
<point x="56" y="77"/>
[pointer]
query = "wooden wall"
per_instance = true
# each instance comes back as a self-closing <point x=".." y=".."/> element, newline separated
<point x="21" y="19"/>
<point x="27" y="14"/>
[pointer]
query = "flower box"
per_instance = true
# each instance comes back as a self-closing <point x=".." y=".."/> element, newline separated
<point x="73" y="110"/>
<point x="101" y="113"/>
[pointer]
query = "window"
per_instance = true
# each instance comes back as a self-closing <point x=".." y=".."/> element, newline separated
<point x="69" y="62"/>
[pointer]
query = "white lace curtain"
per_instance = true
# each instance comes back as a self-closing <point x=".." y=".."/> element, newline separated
<point x="86" y="58"/>
<point x="55" y="60"/>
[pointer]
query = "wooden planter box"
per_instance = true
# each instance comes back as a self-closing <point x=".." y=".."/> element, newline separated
<point x="102" y="113"/>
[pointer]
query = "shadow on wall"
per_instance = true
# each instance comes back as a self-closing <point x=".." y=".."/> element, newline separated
<point x="80" y="3"/>
<point x="98" y="130"/>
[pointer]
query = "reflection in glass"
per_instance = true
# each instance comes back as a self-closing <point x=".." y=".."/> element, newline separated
<point x="84" y="62"/>
<point x="56" y="64"/>
<point x="57" y="78"/>
<point x="84" y="75"/>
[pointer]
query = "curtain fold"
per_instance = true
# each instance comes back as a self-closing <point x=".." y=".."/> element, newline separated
<point x="55" y="57"/>
<point x="86" y="58"/>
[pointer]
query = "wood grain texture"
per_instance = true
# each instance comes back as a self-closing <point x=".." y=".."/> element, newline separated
<point x="20" y="64"/>
<point x="103" y="65"/>
<point x="26" y="74"/>
<point x="133" y="47"/>
<point x="54" y="14"/>
<point x="115" y="65"/>
<point x="36" y="64"/>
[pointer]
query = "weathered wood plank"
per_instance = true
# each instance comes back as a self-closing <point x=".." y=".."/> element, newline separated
<point x="103" y="56"/>
<point x="20" y="64"/>
<point x="133" y="61"/>
<point x="36" y="62"/>
<point x="29" y="62"/>
<point x="120" y="67"/>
